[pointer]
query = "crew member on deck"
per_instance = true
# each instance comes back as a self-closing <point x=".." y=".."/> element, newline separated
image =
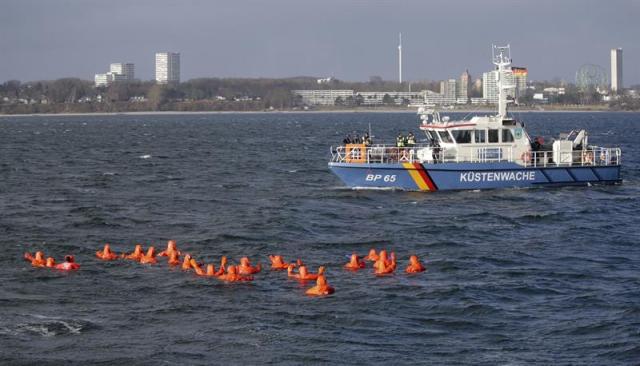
<point x="411" y="140"/>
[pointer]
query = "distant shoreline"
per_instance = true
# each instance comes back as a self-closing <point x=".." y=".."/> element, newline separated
<point x="331" y="111"/>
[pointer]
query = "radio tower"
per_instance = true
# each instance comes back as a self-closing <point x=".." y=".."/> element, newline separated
<point x="400" y="60"/>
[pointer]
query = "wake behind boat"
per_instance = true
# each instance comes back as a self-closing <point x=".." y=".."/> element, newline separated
<point x="483" y="152"/>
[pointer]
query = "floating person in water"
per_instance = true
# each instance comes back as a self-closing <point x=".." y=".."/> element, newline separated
<point x="245" y="267"/>
<point x="150" y="257"/>
<point x="69" y="264"/>
<point x="36" y="260"/>
<point x="321" y="288"/>
<point x="186" y="262"/>
<point x="414" y="265"/>
<point x="51" y="263"/>
<point x="304" y="274"/>
<point x="106" y="254"/>
<point x="232" y="275"/>
<point x="278" y="263"/>
<point x="211" y="270"/>
<point x="355" y="263"/>
<point x="196" y="267"/>
<point x="174" y="259"/>
<point x="136" y="255"/>
<point x="171" y="247"/>
<point x="372" y="256"/>
<point x="384" y="265"/>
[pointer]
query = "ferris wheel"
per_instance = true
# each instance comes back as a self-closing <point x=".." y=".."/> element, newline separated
<point x="591" y="77"/>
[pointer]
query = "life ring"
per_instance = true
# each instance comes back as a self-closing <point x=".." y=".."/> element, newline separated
<point x="526" y="156"/>
<point x="587" y="157"/>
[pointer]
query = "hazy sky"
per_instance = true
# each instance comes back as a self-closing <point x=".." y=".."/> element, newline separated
<point x="350" y="40"/>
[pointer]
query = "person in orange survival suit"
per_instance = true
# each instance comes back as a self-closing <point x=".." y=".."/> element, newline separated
<point x="278" y="263"/>
<point x="171" y="247"/>
<point x="186" y="262"/>
<point x="38" y="260"/>
<point x="51" y="263"/>
<point x="69" y="264"/>
<point x="106" y="254"/>
<point x="211" y="269"/>
<point x="150" y="257"/>
<point x="372" y="256"/>
<point x="136" y="255"/>
<point x="355" y="263"/>
<point x="232" y="275"/>
<point x="414" y="265"/>
<point x="245" y="267"/>
<point x="303" y="274"/>
<point x="384" y="266"/>
<point x="174" y="259"/>
<point x="196" y="267"/>
<point x="321" y="288"/>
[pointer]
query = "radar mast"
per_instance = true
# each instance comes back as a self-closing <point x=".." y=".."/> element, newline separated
<point x="502" y="59"/>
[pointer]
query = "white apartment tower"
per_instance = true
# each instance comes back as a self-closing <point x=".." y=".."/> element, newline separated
<point x="448" y="90"/>
<point x="616" y="70"/>
<point x="167" y="67"/>
<point x="127" y="70"/>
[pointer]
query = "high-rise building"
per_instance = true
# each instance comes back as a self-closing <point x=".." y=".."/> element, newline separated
<point x="167" y="67"/>
<point x="616" y="70"/>
<point x="520" y="79"/>
<point x="462" y="90"/>
<point x="103" y="79"/>
<point x="127" y="70"/>
<point x="117" y="72"/>
<point x="489" y="86"/>
<point x="448" y="90"/>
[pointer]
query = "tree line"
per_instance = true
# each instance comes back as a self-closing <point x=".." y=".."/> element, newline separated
<point x="217" y="94"/>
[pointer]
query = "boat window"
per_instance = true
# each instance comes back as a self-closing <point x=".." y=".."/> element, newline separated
<point x="507" y="136"/>
<point x="481" y="136"/>
<point x="444" y="136"/>
<point x="462" y="136"/>
<point x="493" y="135"/>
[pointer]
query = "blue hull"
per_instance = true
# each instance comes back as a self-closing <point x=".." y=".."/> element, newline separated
<point x="465" y="176"/>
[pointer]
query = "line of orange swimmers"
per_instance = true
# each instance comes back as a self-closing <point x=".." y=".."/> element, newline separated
<point x="383" y="264"/>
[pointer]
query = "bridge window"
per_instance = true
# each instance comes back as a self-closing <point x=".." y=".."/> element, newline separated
<point x="445" y="137"/>
<point x="507" y="136"/>
<point x="462" y="136"/>
<point x="493" y="136"/>
<point x="480" y="136"/>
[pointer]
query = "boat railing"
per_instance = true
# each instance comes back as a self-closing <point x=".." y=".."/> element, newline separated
<point x="592" y="156"/>
<point x="361" y="153"/>
<point x="382" y="154"/>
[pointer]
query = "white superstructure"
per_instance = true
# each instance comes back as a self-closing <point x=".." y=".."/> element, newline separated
<point x="167" y="67"/>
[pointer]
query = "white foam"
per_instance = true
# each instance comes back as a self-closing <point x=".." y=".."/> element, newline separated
<point x="145" y="156"/>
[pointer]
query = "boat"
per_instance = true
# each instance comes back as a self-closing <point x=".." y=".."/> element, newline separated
<point x="483" y="152"/>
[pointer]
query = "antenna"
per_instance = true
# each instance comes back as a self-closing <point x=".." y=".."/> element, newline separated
<point x="400" y="59"/>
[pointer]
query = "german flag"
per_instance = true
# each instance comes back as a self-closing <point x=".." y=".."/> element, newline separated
<point x="420" y="176"/>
